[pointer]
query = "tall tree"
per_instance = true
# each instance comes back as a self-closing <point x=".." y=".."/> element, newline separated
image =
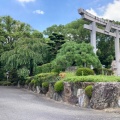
<point x="55" y="43"/>
<point x="27" y="53"/>
<point x="76" y="32"/>
<point x="106" y="49"/>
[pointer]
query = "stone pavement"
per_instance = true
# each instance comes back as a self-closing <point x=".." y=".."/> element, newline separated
<point x="21" y="104"/>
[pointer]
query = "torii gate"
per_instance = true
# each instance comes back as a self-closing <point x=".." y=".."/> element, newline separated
<point x="108" y="25"/>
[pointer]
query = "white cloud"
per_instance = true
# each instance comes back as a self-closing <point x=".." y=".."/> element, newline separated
<point x="110" y="11"/>
<point x="92" y="12"/>
<point x="38" y="12"/>
<point x="26" y="1"/>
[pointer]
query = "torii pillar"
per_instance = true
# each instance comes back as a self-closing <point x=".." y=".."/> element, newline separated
<point x="117" y="53"/>
<point x="93" y="36"/>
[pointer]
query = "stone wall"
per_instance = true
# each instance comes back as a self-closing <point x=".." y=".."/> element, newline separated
<point x="104" y="95"/>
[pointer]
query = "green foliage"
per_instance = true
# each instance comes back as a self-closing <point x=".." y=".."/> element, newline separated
<point x="45" y="84"/>
<point x="46" y="77"/>
<point x="76" y="32"/>
<point x="55" y="44"/>
<point x="28" y="80"/>
<point x="33" y="82"/>
<point x="59" y="86"/>
<point x="60" y="64"/>
<point x="22" y="81"/>
<point x="92" y="78"/>
<point x="104" y="71"/>
<point x="84" y="72"/>
<point x="88" y="91"/>
<point x="27" y="53"/>
<point x="54" y="29"/>
<point x="23" y="72"/>
<point x="42" y="77"/>
<point x="45" y="68"/>
<point x="5" y="83"/>
<point x="106" y="43"/>
<point x="73" y="54"/>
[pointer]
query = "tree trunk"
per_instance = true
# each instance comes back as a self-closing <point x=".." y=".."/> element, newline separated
<point x="31" y="67"/>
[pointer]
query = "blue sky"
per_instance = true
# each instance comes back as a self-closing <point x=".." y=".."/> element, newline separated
<point x="41" y="14"/>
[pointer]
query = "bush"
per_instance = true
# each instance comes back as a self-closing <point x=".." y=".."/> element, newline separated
<point x="84" y="72"/>
<point x="28" y="80"/>
<point x="92" y="78"/>
<point x="45" y="77"/>
<point x="5" y="83"/>
<point x="88" y="91"/>
<point x="33" y="82"/>
<point x="59" y="86"/>
<point x="45" y="84"/>
<point x="45" y="68"/>
<point x="105" y="71"/>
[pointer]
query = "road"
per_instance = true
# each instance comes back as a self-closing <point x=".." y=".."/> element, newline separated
<point x="21" y="104"/>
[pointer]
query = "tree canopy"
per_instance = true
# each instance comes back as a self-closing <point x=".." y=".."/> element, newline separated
<point x="27" y="54"/>
<point x="74" y="54"/>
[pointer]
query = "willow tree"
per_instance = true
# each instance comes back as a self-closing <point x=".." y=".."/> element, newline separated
<point x="27" y="53"/>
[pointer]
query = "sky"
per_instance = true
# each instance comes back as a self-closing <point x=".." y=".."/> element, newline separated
<point x="41" y="14"/>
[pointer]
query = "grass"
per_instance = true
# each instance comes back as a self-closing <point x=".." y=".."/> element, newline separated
<point x="71" y="77"/>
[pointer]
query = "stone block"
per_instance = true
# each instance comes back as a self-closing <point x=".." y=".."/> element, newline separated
<point x="83" y="100"/>
<point x="105" y="95"/>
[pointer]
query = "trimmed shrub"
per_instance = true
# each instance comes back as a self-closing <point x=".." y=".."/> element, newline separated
<point x="5" y="83"/>
<point x="59" y="86"/>
<point x="45" y="84"/>
<point x="45" y="68"/>
<point x="46" y="77"/>
<point x="92" y="78"/>
<point x="84" y="72"/>
<point x="88" y="91"/>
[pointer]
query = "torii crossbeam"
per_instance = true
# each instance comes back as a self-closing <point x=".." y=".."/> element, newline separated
<point x="109" y="29"/>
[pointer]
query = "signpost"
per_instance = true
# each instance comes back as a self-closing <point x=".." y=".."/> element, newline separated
<point x="109" y="28"/>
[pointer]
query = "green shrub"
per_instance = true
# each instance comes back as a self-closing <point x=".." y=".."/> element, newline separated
<point x="88" y="91"/>
<point x="104" y="71"/>
<point x="45" y="68"/>
<point x="92" y="78"/>
<point x="56" y="70"/>
<point x="5" y="83"/>
<point x="45" y="84"/>
<point x="46" y="77"/>
<point x="59" y="86"/>
<point x="28" y="80"/>
<point x="84" y="72"/>
<point x="33" y="82"/>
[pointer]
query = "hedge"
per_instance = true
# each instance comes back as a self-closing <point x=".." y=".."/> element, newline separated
<point x="92" y="78"/>
<point x="42" y="77"/>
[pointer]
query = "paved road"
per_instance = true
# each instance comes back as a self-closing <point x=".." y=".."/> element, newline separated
<point x="20" y="104"/>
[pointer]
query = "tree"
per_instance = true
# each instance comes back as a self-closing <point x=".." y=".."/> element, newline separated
<point x="75" y="31"/>
<point x="59" y="29"/>
<point x="73" y="54"/>
<point x="106" y="43"/>
<point x="37" y="34"/>
<point x="27" y="53"/>
<point x="55" y="43"/>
